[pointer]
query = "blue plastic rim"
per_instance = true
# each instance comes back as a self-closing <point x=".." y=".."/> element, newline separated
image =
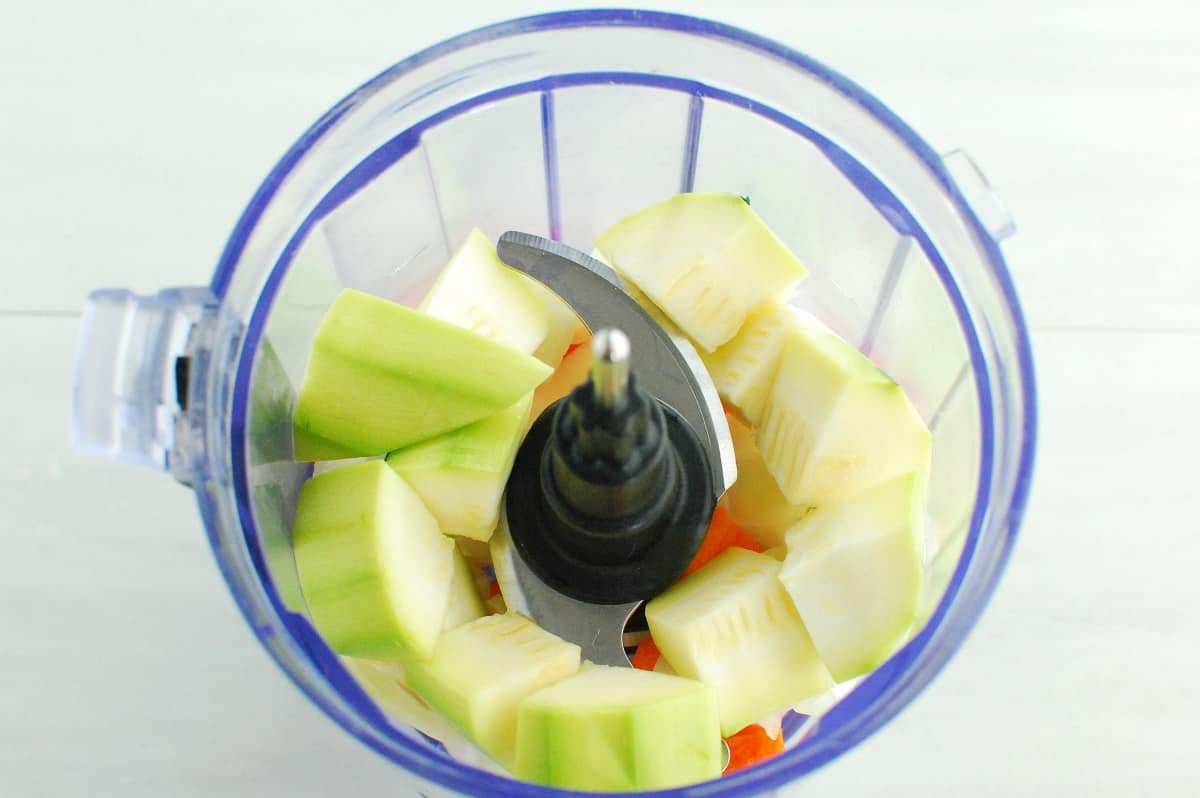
<point x="894" y="684"/>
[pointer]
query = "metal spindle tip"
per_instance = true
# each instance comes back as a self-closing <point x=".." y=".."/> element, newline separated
<point x="610" y="365"/>
<point x="611" y="345"/>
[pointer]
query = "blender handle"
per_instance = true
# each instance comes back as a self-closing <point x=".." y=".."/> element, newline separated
<point x="979" y="194"/>
<point x="136" y="377"/>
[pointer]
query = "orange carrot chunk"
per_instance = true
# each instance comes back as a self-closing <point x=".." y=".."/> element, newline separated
<point x="646" y="656"/>
<point x="722" y="533"/>
<point x="750" y="746"/>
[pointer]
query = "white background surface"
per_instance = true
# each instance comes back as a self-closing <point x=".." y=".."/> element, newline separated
<point x="131" y="135"/>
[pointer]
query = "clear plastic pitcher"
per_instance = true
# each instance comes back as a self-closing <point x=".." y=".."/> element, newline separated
<point x="557" y="125"/>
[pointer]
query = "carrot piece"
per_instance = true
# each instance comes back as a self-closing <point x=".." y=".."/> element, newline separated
<point x="722" y="533"/>
<point x="646" y="656"/>
<point x="742" y="540"/>
<point x="750" y="746"/>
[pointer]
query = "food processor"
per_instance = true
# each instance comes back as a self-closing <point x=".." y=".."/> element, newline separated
<point x="556" y="126"/>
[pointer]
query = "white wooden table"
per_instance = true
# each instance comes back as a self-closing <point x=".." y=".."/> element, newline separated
<point x="133" y="132"/>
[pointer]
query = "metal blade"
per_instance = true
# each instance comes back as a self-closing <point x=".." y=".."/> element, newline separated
<point x="667" y="365"/>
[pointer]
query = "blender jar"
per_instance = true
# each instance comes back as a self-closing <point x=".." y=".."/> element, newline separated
<point x="557" y="125"/>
